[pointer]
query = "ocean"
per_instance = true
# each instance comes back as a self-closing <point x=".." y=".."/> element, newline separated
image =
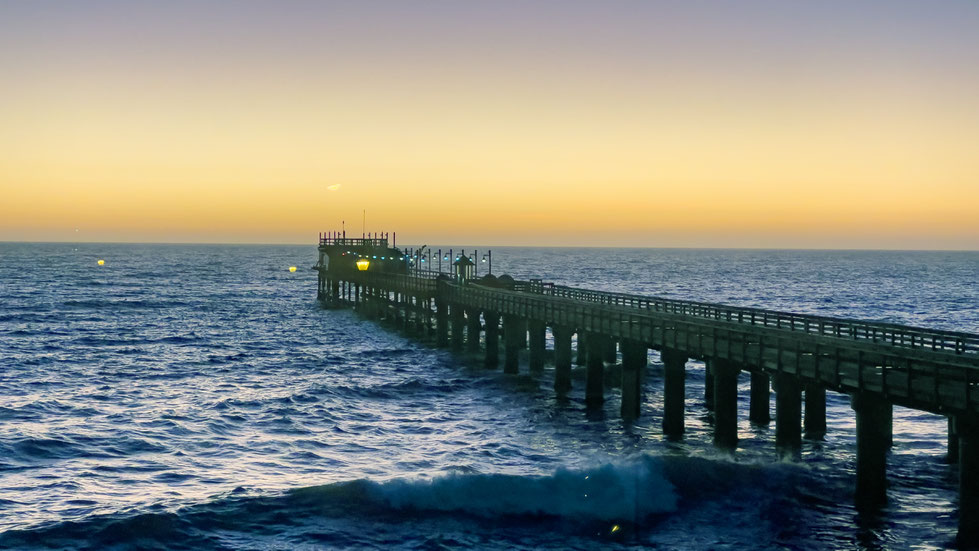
<point x="198" y="397"/>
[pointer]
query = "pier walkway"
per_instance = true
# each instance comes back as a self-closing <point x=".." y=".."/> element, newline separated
<point x="878" y="365"/>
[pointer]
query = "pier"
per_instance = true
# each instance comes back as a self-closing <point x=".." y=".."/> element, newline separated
<point x="878" y="365"/>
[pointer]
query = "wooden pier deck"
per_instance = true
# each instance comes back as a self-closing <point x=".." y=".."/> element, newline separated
<point x="877" y="364"/>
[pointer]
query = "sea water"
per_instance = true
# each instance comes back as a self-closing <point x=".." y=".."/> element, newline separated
<point x="198" y="397"/>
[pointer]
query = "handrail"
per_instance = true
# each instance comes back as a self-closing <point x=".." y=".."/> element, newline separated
<point x="883" y="332"/>
<point x="876" y="332"/>
<point x="354" y="241"/>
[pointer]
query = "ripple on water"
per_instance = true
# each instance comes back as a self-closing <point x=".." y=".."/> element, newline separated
<point x="178" y="396"/>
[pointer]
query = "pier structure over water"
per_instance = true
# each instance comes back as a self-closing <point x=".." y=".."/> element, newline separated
<point x="878" y="365"/>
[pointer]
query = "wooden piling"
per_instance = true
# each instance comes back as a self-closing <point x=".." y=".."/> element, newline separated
<point x="968" y="430"/>
<point x="709" y="384"/>
<point x="759" y="411"/>
<point x="441" y="324"/>
<point x="872" y="418"/>
<point x="473" y="327"/>
<point x="814" y="421"/>
<point x="538" y="338"/>
<point x="581" y="354"/>
<point x="562" y="358"/>
<point x="788" y="415"/>
<point x="725" y="385"/>
<point x="952" y="449"/>
<point x="492" y="320"/>
<point x="595" y="379"/>
<point x="634" y="355"/>
<point x="674" y="391"/>
<point x="458" y="319"/>
<point x="514" y="333"/>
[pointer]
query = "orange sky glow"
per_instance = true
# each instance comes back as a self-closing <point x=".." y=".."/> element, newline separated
<point x="632" y="124"/>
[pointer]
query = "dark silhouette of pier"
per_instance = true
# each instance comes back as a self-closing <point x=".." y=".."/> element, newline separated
<point x="878" y="365"/>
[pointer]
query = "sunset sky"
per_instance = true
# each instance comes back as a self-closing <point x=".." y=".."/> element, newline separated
<point x="829" y="124"/>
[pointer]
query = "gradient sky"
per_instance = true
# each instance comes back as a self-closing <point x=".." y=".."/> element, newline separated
<point x="829" y="124"/>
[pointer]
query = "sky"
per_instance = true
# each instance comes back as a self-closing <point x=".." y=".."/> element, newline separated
<point x="784" y="124"/>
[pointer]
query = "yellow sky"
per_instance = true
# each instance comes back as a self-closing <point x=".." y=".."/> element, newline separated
<point x="534" y="145"/>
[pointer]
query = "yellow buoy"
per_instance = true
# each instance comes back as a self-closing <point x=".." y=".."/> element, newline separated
<point x="292" y="268"/>
<point x="101" y="262"/>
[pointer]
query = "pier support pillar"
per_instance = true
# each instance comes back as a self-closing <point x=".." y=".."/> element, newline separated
<point x="472" y="330"/>
<point x="421" y="320"/>
<point x="889" y="424"/>
<point x="581" y="357"/>
<point x="492" y="320"/>
<point x="674" y="391"/>
<point x="595" y="380"/>
<point x="952" y="451"/>
<point x="725" y="403"/>
<point x="458" y="320"/>
<point x="514" y="333"/>
<point x="788" y="415"/>
<point x="406" y="321"/>
<point x="609" y="354"/>
<point x="759" y="411"/>
<point x="709" y="384"/>
<point x="633" y="364"/>
<point x="562" y="358"/>
<point x="968" y="429"/>
<point x="538" y="344"/>
<point x="814" y="421"/>
<point x="441" y="324"/>
<point x="872" y="430"/>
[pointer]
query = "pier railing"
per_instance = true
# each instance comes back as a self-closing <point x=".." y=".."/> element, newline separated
<point x="326" y="239"/>
<point x="878" y="332"/>
<point x="865" y="331"/>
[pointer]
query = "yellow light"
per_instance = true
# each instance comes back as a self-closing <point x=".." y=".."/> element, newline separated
<point x="101" y="262"/>
<point x="292" y="268"/>
<point x="363" y="264"/>
<point x="615" y="528"/>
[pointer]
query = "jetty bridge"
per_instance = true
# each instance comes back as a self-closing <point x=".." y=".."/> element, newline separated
<point x="878" y="365"/>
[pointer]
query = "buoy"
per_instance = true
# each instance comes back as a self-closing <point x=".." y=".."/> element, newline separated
<point x="101" y="262"/>
<point x="292" y="268"/>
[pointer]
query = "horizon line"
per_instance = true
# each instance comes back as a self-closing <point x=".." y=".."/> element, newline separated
<point x="316" y="244"/>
